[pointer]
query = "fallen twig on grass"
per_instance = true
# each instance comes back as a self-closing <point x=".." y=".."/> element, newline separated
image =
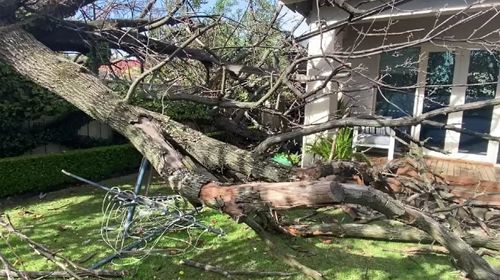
<point x="69" y="268"/>
<point x="60" y="261"/>
<point x="9" y="271"/>
<point x="58" y="274"/>
<point x="230" y="273"/>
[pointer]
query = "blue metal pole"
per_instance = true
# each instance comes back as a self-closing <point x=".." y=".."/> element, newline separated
<point x="155" y="233"/>
<point x="137" y="189"/>
<point x="145" y="201"/>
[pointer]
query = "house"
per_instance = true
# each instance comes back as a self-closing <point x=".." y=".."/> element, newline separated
<point x="126" y="69"/>
<point x="441" y="53"/>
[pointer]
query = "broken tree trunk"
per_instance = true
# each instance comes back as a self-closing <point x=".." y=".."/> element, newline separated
<point x="150" y="133"/>
<point x="475" y="238"/>
<point x="72" y="82"/>
<point x="235" y="199"/>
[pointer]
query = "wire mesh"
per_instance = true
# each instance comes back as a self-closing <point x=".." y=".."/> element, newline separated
<point x="154" y="217"/>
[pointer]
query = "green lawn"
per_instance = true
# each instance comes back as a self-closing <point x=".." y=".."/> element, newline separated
<point x="68" y="221"/>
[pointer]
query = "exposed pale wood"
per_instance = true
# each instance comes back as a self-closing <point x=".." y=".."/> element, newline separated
<point x="235" y="200"/>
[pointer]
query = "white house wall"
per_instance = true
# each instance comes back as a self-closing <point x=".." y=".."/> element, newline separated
<point x="348" y="40"/>
<point x="322" y="105"/>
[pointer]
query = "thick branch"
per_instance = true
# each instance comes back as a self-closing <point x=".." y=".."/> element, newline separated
<point x="89" y="94"/>
<point x="371" y="121"/>
<point x="79" y="37"/>
<point x="475" y="238"/>
<point x="236" y="199"/>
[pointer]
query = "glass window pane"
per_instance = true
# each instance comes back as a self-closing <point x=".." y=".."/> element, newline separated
<point x="482" y="79"/>
<point x="437" y="94"/>
<point x="398" y="69"/>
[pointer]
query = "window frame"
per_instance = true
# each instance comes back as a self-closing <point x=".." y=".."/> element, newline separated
<point x="457" y="97"/>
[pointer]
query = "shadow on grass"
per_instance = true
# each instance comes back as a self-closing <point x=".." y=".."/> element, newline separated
<point x="69" y="221"/>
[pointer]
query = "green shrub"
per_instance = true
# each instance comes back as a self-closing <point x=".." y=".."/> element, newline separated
<point x="40" y="173"/>
<point x="322" y="147"/>
<point x="22" y="102"/>
<point x="343" y="144"/>
<point x="338" y="148"/>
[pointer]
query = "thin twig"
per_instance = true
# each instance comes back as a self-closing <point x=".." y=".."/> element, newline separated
<point x="229" y="273"/>
<point x="136" y="82"/>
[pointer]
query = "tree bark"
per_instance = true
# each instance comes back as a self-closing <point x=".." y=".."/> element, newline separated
<point x="89" y="94"/>
<point x="151" y="133"/>
<point x="475" y="238"/>
<point x="235" y="200"/>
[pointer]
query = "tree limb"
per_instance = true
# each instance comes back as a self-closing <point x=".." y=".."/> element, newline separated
<point x="375" y="121"/>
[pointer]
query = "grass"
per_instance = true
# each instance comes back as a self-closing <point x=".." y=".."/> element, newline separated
<point x="68" y="221"/>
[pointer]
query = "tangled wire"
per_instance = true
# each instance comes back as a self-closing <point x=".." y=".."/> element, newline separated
<point x="136" y="222"/>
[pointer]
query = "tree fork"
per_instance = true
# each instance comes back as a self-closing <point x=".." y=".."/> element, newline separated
<point x="71" y="81"/>
<point x="235" y="199"/>
<point x="147" y="131"/>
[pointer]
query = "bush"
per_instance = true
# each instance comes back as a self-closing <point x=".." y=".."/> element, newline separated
<point x="41" y="173"/>
<point x="338" y="148"/>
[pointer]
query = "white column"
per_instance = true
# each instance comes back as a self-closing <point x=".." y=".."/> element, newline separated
<point x="457" y="98"/>
<point x="318" y="110"/>
<point x="420" y="91"/>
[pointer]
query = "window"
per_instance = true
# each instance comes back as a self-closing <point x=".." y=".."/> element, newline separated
<point x="483" y="70"/>
<point x="398" y="69"/>
<point x="444" y="86"/>
<point x="439" y="77"/>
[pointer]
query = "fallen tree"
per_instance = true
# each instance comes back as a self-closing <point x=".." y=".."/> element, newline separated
<point x="162" y="141"/>
<point x="475" y="238"/>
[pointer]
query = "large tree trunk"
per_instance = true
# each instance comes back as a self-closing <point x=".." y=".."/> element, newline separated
<point x="233" y="200"/>
<point x="151" y="133"/>
<point x="89" y="94"/>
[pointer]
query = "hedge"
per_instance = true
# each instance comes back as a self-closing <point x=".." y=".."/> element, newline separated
<point x="41" y="173"/>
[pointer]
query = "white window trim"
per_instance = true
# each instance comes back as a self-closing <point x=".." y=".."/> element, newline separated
<point x="452" y="138"/>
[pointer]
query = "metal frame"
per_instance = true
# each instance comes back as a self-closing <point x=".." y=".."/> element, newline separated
<point x="144" y="167"/>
